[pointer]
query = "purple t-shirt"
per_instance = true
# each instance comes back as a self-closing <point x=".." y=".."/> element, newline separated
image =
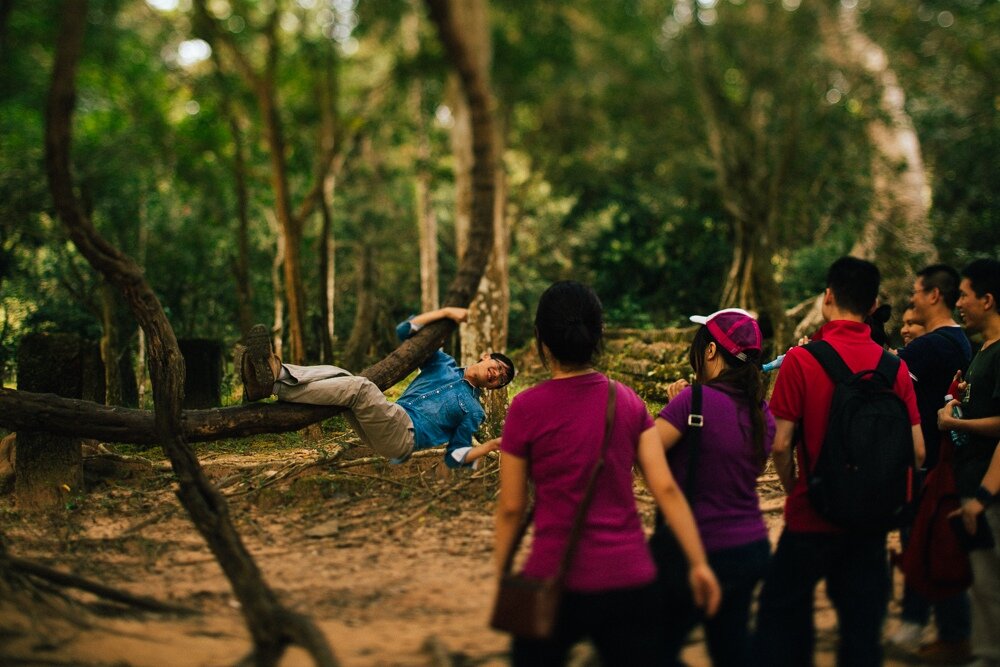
<point x="726" y="506"/>
<point x="558" y="426"/>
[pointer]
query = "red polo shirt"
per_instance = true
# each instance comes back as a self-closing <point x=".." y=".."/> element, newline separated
<point x="803" y="392"/>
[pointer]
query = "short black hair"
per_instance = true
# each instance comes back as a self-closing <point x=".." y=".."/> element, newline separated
<point x="984" y="276"/>
<point x="945" y="279"/>
<point x="505" y="360"/>
<point x="854" y="283"/>
<point x="570" y="322"/>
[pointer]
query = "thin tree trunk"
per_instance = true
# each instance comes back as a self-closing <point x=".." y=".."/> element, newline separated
<point x="109" y="345"/>
<point x="360" y="341"/>
<point x="278" y="325"/>
<point x="241" y="264"/>
<point x="328" y="272"/>
<point x="423" y="207"/>
<point x="271" y="625"/>
<point x="460" y="136"/>
<point x="897" y="234"/>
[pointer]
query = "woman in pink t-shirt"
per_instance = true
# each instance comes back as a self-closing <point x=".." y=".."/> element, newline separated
<point x="552" y="436"/>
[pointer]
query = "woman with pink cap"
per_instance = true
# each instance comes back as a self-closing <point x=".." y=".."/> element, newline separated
<point x="718" y="434"/>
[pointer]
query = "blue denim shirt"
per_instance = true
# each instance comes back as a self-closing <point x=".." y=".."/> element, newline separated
<point x="443" y="406"/>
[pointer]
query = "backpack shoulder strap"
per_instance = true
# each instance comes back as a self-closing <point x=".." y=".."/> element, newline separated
<point x="831" y="362"/>
<point x="888" y="368"/>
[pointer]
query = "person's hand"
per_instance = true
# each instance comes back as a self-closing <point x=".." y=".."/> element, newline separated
<point x="804" y="340"/>
<point x="945" y="420"/>
<point x="492" y="445"/>
<point x="456" y="313"/>
<point x="705" y="588"/>
<point x="675" y="388"/>
<point x="970" y="511"/>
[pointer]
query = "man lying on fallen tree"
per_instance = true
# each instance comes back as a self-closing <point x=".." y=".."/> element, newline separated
<point x="440" y="407"/>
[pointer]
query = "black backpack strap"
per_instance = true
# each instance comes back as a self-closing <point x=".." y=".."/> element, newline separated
<point x="696" y="421"/>
<point x="888" y="368"/>
<point x="831" y="362"/>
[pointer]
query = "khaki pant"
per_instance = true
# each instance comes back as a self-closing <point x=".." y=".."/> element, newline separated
<point x="381" y="424"/>
<point x="986" y="596"/>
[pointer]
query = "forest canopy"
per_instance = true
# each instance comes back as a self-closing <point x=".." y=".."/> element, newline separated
<point x="649" y="149"/>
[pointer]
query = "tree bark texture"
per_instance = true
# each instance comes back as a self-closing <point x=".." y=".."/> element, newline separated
<point x="271" y="625"/>
<point x="48" y="467"/>
<point x="897" y="234"/>
<point x="360" y="341"/>
<point x="427" y="227"/>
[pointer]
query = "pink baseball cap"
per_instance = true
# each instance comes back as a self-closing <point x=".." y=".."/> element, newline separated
<point x="734" y="329"/>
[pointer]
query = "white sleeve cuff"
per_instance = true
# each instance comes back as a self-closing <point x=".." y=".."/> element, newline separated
<point x="460" y="454"/>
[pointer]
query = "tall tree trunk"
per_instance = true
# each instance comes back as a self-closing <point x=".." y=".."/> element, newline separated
<point x="360" y="341"/>
<point x="110" y="351"/>
<point x="271" y="625"/>
<point x="897" y="234"/>
<point x="327" y="272"/>
<point x="328" y="95"/>
<point x="264" y="88"/>
<point x="749" y="189"/>
<point x="423" y="207"/>
<point x="460" y="136"/>
<point x="241" y="263"/>
<point x="278" y="325"/>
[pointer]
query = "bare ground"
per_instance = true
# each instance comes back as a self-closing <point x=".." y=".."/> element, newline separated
<point x="392" y="562"/>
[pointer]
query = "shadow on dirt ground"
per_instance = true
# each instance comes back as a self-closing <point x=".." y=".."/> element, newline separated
<point x="393" y="562"/>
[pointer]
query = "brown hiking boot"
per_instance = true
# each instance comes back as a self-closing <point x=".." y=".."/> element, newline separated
<point x="257" y="367"/>
<point x="946" y="653"/>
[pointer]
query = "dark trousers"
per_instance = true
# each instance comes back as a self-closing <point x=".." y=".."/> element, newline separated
<point x="857" y="583"/>
<point x="625" y="626"/>
<point x="727" y="634"/>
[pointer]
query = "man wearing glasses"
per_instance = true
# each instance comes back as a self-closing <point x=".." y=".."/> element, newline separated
<point x="440" y="407"/>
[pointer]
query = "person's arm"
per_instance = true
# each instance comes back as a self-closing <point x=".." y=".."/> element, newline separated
<point x="669" y="435"/>
<point x="512" y="503"/>
<point x="481" y="450"/>
<point x="451" y="312"/>
<point x="670" y="500"/>
<point x="919" y="449"/>
<point x="986" y="427"/>
<point x="461" y="441"/>
<point x="783" y="454"/>
<point x="972" y="508"/>
<point x="409" y="327"/>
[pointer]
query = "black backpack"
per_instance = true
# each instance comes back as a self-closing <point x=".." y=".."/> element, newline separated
<point x="862" y="480"/>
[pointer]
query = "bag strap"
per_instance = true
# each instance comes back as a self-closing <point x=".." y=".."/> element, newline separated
<point x="696" y="421"/>
<point x="588" y="493"/>
<point x="574" y="536"/>
<point x="831" y="362"/>
<point x="888" y="368"/>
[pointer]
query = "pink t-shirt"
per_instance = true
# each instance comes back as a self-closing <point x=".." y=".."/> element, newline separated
<point x="558" y="426"/>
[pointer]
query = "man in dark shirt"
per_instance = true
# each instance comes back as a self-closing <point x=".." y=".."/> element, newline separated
<point x="933" y="360"/>
<point x="977" y="461"/>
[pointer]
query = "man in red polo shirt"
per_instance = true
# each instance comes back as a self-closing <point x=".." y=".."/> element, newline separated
<point x="810" y="548"/>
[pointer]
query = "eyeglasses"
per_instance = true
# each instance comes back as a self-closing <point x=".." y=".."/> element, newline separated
<point x="502" y="371"/>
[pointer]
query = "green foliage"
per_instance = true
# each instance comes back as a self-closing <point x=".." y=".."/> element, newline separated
<point x="610" y="175"/>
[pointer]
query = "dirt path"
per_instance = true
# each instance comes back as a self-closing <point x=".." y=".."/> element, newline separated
<point x="394" y="564"/>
